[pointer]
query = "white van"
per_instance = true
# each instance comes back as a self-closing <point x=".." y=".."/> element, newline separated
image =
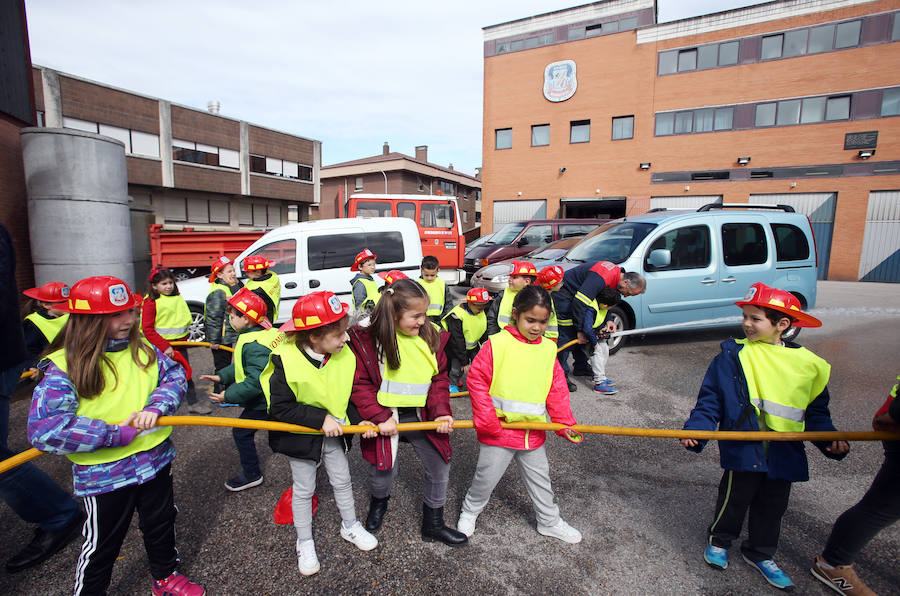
<point x="316" y="255"/>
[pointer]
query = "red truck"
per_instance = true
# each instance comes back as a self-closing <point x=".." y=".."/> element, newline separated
<point x="190" y="253"/>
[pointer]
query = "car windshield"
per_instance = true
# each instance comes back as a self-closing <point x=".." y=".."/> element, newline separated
<point x="613" y="242"/>
<point x="507" y="233"/>
<point x="478" y="242"/>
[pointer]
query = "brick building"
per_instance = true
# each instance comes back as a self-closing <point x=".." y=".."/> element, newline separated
<point x="792" y="101"/>
<point x="397" y="173"/>
<point x="189" y="167"/>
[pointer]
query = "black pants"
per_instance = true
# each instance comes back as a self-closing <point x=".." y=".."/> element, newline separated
<point x="191" y="395"/>
<point x="879" y="508"/>
<point x="246" y="445"/>
<point x="767" y="500"/>
<point x="108" y="519"/>
<point x="221" y="359"/>
<point x="566" y="334"/>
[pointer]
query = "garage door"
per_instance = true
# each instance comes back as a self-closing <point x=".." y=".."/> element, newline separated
<point x="682" y="202"/>
<point x="880" y="260"/>
<point x="819" y="208"/>
<point x="507" y="211"/>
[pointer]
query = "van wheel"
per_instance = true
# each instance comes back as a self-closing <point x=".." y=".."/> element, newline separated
<point x="197" y="332"/>
<point x="617" y="315"/>
<point x="791" y="334"/>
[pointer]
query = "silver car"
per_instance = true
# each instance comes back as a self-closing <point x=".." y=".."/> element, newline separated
<point x="495" y="276"/>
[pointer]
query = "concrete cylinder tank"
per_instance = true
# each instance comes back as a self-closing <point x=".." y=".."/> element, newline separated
<point x="78" y="213"/>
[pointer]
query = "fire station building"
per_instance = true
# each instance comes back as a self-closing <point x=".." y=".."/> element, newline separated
<point x="598" y="111"/>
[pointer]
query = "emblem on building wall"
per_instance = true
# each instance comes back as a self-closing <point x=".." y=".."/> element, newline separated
<point x="560" y="80"/>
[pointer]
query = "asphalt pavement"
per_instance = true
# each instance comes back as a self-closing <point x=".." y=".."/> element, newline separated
<point x="642" y="504"/>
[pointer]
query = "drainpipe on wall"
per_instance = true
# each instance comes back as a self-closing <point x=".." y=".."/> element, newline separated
<point x="385" y="181"/>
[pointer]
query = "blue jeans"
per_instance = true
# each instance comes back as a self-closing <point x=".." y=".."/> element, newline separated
<point x="246" y="444"/>
<point x="55" y="509"/>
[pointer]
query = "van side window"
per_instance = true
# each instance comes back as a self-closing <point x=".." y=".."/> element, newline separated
<point x="437" y="216"/>
<point x="689" y="247"/>
<point x="283" y="252"/>
<point x="407" y="210"/>
<point x="790" y="243"/>
<point x="373" y="209"/>
<point x="536" y="236"/>
<point x="744" y="244"/>
<point x="338" y="250"/>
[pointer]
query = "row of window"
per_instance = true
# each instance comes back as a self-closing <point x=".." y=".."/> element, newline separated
<point x="214" y="211"/>
<point x="574" y="33"/>
<point x="136" y="142"/>
<point x="579" y="132"/>
<point x="444" y="187"/>
<point x="787" y="44"/>
<point x="261" y="164"/>
<point x="209" y="155"/>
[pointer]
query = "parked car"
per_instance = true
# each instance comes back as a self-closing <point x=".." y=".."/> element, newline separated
<point x="494" y="277"/>
<point x="698" y="264"/>
<point x="316" y="255"/>
<point x="521" y="237"/>
<point x="478" y="242"/>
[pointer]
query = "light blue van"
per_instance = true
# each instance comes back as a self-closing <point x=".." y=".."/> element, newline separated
<point x="699" y="263"/>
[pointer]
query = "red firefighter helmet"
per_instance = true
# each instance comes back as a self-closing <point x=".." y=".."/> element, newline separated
<point x="478" y="296"/>
<point x="392" y="276"/>
<point x="256" y="263"/>
<point x="550" y="276"/>
<point x="217" y="266"/>
<point x="765" y="296"/>
<point x="363" y="256"/>
<point x="100" y="295"/>
<point x="523" y="268"/>
<point x="251" y="305"/>
<point x="52" y="291"/>
<point x="315" y="310"/>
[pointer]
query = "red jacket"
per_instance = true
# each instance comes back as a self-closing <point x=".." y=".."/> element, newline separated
<point x="148" y="326"/>
<point x="487" y="425"/>
<point x="366" y="382"/>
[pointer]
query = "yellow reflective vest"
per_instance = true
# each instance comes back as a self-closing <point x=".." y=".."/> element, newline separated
<point x="473" y="325"/>
<point x="49" y="328"/>
<point x="782" y="382"/>
<point x="552" y="331"/>
<point x="327" y="388"/>
<point x="407" y="386"/>
<point x="436" y="289"/>
<point x="372" y="294"/>
<point x="131" y="393"/>
<point x="601" y="312"/>
<point x="269" y="338"/>
<point x="521" y="378"/>
<point x="504" y="313"/>
<point x="173" y="317"/>
<point x="271" y="286"/>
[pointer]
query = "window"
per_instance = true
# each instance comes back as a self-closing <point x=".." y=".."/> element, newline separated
<point x="447" y="188"/>
<point x="623" y="127"/>
<point x="373" y="209"/>
<point x="175" y="209"/>
<point x="338" y="250"/>
<point x="40" y="119"/>
<point x="535" y="236"/>
<point x="788" y="112"/>
<point x="629" y="23"/>
<point x="358" y="185"/>
<point x="120" y="134"/>
<point x="728" y="53"/>
<point x="684" y="122"/>
<point x="77" y="124"/>
<point x="245" y="214"/>
<point x="437" y="215"/>
<point x="724" y="119"/>
<point x="703" y="120"/>
<point x="407" y="210"/>
<point x="258" y="164"/>
<point x="687" y="60"/>
<point x="895" y="32"/>
<point x="765" y="114"/>
<point x="795" y="42"/>
<point x="665" y="124"/>
<point x="668" y="63"/>
<point x="540" y="135"/>
<point x="838" y="108"/>
<point x="708" y="56"/>
<point x="790" y="243"/>
<point x="503" y="138"/>
<point x="192" y="152"/>
<point x="813" y="110"/>
<point x="771" y="47"/>
<point x="198" y="211"/>
<point x="847" y="35"/>
<point x="576" y="33"/>
<point x="305" y="172"/>
<point x="744" y="244"/>
<point x="593" y="30"/>
<point x="890" y="100"/>
<point x="580" y="131"/>
<point x="144" y="143"/>
<point x="219" y="212"/>
<point x="821" y="39"/>
<point x="229" y="158"/>
<point x="274" y="213"/>
<point x="689" y="248"/>
<point x="274" y="166"/>
<point x="283" y="252"/>
<point x="260" y="218"/>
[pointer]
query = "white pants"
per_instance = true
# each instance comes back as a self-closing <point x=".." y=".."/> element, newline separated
<point x="303" y="472"/>
<point x="598" y="361"/>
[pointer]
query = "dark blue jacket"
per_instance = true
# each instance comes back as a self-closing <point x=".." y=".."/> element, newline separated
<point x="724" y="401"/>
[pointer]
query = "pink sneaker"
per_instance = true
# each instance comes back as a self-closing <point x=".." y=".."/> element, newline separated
<point x="177" y="585"/>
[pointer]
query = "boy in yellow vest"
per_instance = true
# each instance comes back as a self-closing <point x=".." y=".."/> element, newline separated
<point x="521" y="274"/>
<point x="762" y="383"/>
<point x="44" y="323"/>
<point x="363" y="285"/>
<point x="256" y="268"/>
<point x="256" y="340"/>
<point x="467" y="325"/>
<point x="597" y="334"/>
<point x="438" y="305"/>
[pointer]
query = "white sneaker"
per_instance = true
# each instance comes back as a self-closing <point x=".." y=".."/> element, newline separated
<point x="466" y="523"/>
<point x="307" y="560"/>
<point x="562" y="531"/>
<point x="359" y="536"/>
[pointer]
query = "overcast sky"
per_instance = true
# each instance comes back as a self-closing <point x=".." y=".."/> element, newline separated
<point x="350" y="73"/>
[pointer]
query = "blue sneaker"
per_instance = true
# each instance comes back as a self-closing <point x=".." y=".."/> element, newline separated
<point x="454" y="389"/>
<point x="606" y="388"/>
<point x="717" y="557"/>
<point x="225" y="404"/>
<point x="772" y="573"/>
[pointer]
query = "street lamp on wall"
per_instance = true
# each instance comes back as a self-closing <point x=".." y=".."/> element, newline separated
<point x="645" y="165"/>
<point x="742" y="161"/>
<point x="866" y="153"/>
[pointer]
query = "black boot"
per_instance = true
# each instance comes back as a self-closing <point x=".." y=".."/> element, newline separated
<point x="377" y="509"/>
<point x="433" y="528"/>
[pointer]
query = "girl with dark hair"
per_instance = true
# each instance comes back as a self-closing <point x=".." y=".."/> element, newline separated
<point x="401" y="376"/>
<point x="516" y="378"/>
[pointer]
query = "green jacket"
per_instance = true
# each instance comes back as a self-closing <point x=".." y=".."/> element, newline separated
<point x="248" y="393"/>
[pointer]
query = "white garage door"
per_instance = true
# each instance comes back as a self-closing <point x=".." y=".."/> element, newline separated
<point x="507" y="211"/>
<point x="819" y="208"/>
<point x="880" y="260"/>
<point x="682" y="202"/>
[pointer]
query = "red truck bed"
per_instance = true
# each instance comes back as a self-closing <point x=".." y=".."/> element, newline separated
<point x="195" y="251"/>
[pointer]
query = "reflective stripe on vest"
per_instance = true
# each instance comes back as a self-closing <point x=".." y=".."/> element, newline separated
<point x="521" y="377"/>
<point x="270" y="286"/>
<point x="473" y="325"/>
<point x="267" y="338"/>
<point x="504" y="313"/>
<point x="49" y="328"/>
<point x="552" y="331"/>
<point x="782" y="382"/>
<point x="173" y="317"/>
<point x="117" y="401"/>
<point x="408" y="386"/>
<point x="371" y="287"/>
<point x="435" y="289"/>
<point x="327" y="388"/>
<point x="216" y="286"/>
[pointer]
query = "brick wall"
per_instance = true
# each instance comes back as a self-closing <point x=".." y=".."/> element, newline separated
<point x="144" y="171"/>
<point x="275" y="144"/>
<point x="201" y="127"/>
<point x="91" y="102"/>
<point x="270" y="186"/>
<point x="209" y="179"/>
